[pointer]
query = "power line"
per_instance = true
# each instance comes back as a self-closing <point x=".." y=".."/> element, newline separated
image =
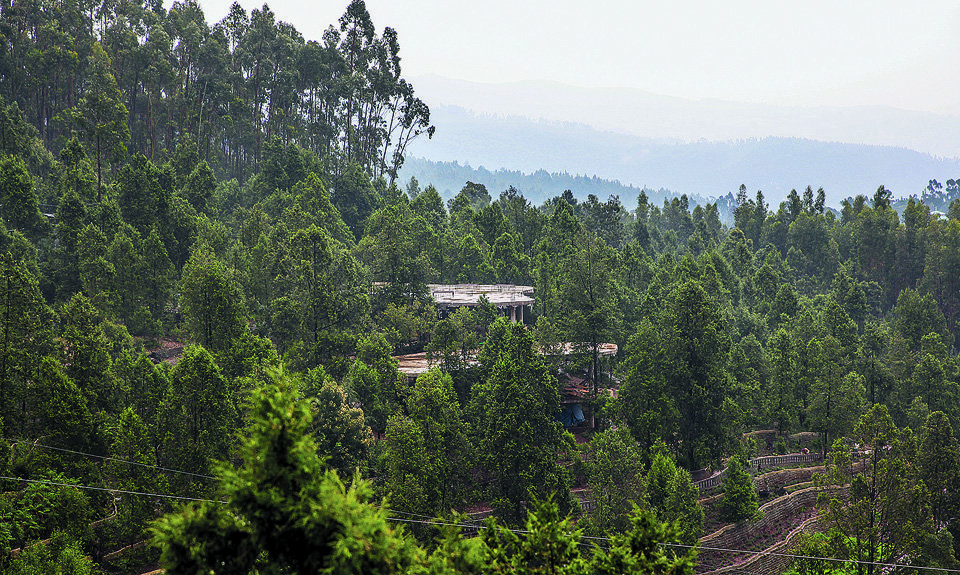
<point x="442" y="523"/>
<point x="104" y="457"/>
<point x="515" y="531"/>
<point x="468" y="523"/>
<point x="794" y="556"/>
<point x="163" y="495"/>
<point x="430" y="521"/>
<point x="721" y="549"/>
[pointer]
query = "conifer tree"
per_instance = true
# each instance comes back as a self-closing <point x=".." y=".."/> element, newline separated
<point x="739" y="498"/>
<point x="516" y="434"/>
<point x="282" y="509"/>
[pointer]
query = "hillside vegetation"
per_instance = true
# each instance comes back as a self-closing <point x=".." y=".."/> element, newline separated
<point x="207" y="268"/>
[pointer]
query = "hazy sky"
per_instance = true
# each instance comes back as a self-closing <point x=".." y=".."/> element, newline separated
<point x="810" y="52"/>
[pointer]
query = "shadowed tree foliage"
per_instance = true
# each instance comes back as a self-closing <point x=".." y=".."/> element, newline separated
<point x="939" y="457"/>
<point x="677" y="378"/>
<point x="26" y="335"/>
<point x="212" y="301"/>
<point x="515" y="432"/>
<point x="197" y="419"/>
<point x="283" y="510"/>
<point x="739" y="498"/>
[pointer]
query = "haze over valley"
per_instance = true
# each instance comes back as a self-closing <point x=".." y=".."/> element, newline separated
<point x="699" y="148"/>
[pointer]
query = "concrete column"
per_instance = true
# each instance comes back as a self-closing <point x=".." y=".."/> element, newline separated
<point x="521" y="314"/>
<point x="513" y="314"/>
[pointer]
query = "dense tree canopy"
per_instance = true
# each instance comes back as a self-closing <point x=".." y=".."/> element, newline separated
<point x="186" y="206"/>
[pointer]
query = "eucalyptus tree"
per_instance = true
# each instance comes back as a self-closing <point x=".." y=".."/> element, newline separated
<point x="101" y="115"/>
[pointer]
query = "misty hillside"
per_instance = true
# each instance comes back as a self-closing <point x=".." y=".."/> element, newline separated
<point x="651" y="115"/>
<point x="706" y="168"/>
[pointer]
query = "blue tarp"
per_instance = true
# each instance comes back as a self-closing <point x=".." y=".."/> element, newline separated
<point x="570" y="414"/>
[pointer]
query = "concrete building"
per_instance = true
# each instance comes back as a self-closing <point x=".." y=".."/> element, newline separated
<point x="510" y="299"/>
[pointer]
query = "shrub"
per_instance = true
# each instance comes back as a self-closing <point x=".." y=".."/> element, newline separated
<point x="780" y="446"/>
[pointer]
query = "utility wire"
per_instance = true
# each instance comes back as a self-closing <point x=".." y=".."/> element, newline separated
<point x="720" y="549"/>
<point x="45" y="482"/>
<point x="515" y="531"/>
<point x="105" y="458"/>
<point x="466" y="523"/>
<point x="443" y="523"/>
<point x="794" y="556"/>
<point x="475" y="525"/>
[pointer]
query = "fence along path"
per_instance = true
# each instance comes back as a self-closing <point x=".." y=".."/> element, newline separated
<point x="760" y="463"/>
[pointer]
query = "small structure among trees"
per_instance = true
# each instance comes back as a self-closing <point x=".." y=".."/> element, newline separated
<point x="509" y="299"/>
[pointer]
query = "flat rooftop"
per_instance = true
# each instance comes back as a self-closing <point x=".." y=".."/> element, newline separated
<point x="414" y="364"/>
<point x="568" y="348"/>
<point x="500" y="295"/>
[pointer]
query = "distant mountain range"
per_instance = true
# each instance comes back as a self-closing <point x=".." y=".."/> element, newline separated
<point x="708" y="168"/>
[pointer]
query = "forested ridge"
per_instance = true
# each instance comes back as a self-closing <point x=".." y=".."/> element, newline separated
<point x="209" y="268"/>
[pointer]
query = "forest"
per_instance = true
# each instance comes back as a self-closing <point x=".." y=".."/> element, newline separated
<point x="208" y="268"/>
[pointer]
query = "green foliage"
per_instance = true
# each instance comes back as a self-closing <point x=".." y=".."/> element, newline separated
<point x="62" y="554"/>
<point x="917" y="316"/>
<point x="589" y="313"/>
<point x="197" y="418"/>
<point x="260" y="190"/>
<point x="18" y="200"/>
<point x="645" y="549"/>
<point x="433" y="406"/>
<point x="816" y="549"/>
<point x="615" y="479"/>
<point x="455" y="339"/>
<point x="677" y="378"/>
<point x="673" y="496"/>
<point x="25" y="338"/>
<point x="87" y="355"/>
<point x="283" y="510"/>
<point x="514" y="429"/>
<point x="212" y="302"/>
<point x="409" y="486"/>
<point x="60" y="409"/>
<point x="939" y="458"/>
<point x="101" y="115"/>
<point x="40" y="510"/>
<point x="374" y="381"/>
<point x="131" y="443"/>
<point x="739" y="498"/>
<point x="887" y="515"/>
<point x="338" y="427"/>
<point x="354" y="197"/>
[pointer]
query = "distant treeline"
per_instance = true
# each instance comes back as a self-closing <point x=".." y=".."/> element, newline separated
<point x="540" y="186"/>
